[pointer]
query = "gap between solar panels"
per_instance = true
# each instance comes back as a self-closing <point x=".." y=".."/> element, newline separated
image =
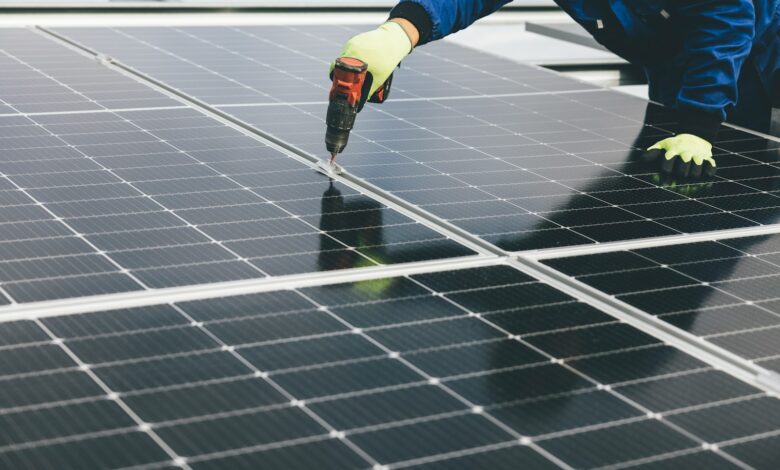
<point x="117" y="110"/>
<point x="713" y="355"/>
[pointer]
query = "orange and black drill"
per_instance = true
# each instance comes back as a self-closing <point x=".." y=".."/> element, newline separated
<point x="348" y="93"/>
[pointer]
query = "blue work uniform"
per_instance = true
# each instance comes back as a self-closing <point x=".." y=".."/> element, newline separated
<point x="710" y="59"/>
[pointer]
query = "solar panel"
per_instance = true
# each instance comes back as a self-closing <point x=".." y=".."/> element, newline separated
<point x="522" y="172"/>
<point x="723" y="291"/>
<point x="272" y="64"/>
<point x="518" y="173"/>
<point x="477" y="367"/>
<point x="120" y="201"/>
<point x="435" y="369"/>
<point x="42" y="76"/>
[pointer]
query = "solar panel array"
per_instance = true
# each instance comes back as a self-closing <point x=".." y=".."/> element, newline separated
<point x="422" y="365"/>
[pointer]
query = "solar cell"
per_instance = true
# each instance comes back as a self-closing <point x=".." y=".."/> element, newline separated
<point x="40" y="76"/>
<point x="352" y="375"/>
<point x="121" y="201"/>
<point x="723" y="291"/>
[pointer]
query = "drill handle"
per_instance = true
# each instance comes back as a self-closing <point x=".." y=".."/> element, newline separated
<point x="379" y="96"/>
<point x="381" y="93"/>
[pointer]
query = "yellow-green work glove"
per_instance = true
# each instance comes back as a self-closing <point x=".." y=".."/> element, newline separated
<point x="685" y="155"/>
<point x="382" y="49"/>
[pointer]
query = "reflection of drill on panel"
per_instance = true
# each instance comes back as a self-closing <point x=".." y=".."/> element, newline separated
<point x="357" y="224"/>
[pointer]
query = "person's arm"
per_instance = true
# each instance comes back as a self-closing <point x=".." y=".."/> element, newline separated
<point x="409" y="28"/>
<point x="411" y="22"/>
<point x="715" y="46"/>
<point x="435" y="19"/>
<point x="717" y="40"/>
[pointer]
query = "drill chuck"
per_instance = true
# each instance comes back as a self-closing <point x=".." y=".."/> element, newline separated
<point x="336" y="140"/>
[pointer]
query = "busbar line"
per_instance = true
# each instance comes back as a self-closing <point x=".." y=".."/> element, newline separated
<point x="667" y="240"/>
<point x="490" y="256"/>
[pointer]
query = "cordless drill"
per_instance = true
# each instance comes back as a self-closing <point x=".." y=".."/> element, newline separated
<point x="351" y="83"/>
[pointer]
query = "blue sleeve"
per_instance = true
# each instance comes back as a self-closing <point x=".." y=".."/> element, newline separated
<point x="449" y="16"/>
<point x="717" y="40"/>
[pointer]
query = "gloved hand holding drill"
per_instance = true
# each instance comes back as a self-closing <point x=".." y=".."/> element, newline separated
<point x="382" y="50"/>
<point x="363" y="72"/>
<point x="698" y="56"/>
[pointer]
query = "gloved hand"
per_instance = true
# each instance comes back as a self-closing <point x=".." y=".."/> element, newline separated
<point x="685" y="155"/>
<point x="382" y="49"/>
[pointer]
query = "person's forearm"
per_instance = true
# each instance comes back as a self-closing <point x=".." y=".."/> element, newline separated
<point x="409" y="29"/>
<point x="435" y="19"/>
<point x="413" y="16"/>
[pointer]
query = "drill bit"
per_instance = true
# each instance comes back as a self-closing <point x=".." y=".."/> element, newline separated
<point x="330" y="167"/>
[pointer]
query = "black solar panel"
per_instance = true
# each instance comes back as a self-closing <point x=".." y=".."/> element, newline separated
<point x="278" y="64"/>
<point x="349" y="375"/>
<point x="111" y="202"/>
<point x="41" y="76"/>
<point x="522" y="172"/>
<point x="540" y="171"/>
<point x="724" y="291"/>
